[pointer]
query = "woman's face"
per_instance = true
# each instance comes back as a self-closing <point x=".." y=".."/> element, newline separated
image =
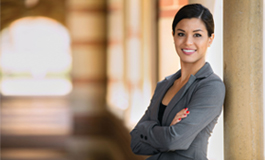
<point x="191" y="40"/>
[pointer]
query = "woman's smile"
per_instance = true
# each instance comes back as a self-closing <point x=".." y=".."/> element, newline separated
<point x="188" y="51"/>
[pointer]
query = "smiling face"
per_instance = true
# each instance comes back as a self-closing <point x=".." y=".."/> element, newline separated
<point x="191" y="41"/>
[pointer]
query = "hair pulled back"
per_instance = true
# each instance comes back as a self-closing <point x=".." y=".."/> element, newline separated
<point x="195" y="11"/>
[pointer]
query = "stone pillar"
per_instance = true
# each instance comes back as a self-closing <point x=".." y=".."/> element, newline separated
<point x="243" y="108"/>
<point x="86" y="21"/>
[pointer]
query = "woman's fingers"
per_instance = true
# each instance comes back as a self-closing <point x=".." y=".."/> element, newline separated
<point x="183" y="113"/>
<point x="175" y="121"/>
<point x="180" y="115"/>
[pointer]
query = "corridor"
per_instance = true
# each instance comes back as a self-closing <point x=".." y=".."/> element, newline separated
<point x="44" y="129"/>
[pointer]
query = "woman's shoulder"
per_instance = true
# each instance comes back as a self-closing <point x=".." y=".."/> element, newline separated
<point x="207" y="76"/>
<point x="168" y="78"/>
<point x="214" y="78"/>
<point x="213" y="81"/>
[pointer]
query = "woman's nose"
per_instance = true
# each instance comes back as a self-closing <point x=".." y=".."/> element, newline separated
<point x="189" y="40"/>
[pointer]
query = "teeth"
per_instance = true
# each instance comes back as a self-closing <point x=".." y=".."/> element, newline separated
<point x="185" y="50"/>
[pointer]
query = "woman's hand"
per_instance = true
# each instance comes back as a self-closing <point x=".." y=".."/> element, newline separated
<point x="181" y="114"/>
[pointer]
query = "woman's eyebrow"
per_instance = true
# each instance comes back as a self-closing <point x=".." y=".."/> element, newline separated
<point x="197" y="30"/>
<point x="180" y="30"/>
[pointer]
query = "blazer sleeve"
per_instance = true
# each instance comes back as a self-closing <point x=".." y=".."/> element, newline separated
<point x="205" y="106"/>
<point x="138" y="146"/>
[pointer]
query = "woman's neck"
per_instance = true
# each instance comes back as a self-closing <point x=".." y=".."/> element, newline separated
<point x="188" y="69"/>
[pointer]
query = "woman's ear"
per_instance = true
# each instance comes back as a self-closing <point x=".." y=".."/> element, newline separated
<point x="173" y="36"/>
<point x="211" y="40"/>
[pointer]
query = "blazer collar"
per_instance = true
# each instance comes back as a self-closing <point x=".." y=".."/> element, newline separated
<point x="204" y="72"/>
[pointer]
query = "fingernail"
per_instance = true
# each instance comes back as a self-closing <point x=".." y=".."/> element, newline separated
<point x="186" y="108"/>
<point x="187" y="112"/>
<point x="179" y="119"/>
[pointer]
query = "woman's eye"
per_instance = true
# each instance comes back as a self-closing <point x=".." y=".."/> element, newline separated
<point x="197" y="35"/>
<point x="180" y="34"/>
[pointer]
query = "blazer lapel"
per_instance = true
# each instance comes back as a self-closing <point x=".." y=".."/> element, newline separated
<point x="163" y="89"/>
<point x="177" y="97"/>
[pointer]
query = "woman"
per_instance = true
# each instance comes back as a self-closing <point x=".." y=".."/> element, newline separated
<point x="186" y="105"/>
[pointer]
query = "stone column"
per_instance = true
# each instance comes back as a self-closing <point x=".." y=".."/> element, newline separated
<point x="243" y="108"/>
<point x="86" y="21"/>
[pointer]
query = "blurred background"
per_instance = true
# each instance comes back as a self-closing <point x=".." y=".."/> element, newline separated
<point x="77" y="75"/>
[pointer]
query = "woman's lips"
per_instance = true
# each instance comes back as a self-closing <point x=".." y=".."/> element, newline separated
<point x="188" y="51"/>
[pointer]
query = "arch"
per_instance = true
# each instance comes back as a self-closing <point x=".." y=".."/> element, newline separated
<point x="35" y="58"/>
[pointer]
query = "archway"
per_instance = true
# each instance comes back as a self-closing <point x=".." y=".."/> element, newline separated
<point x="35" y="58"/>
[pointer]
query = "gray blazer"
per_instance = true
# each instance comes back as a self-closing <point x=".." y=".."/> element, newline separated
<point x="203" y="94"/>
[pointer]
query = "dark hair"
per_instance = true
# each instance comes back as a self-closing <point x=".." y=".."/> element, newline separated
<point x="195" y="11"/>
